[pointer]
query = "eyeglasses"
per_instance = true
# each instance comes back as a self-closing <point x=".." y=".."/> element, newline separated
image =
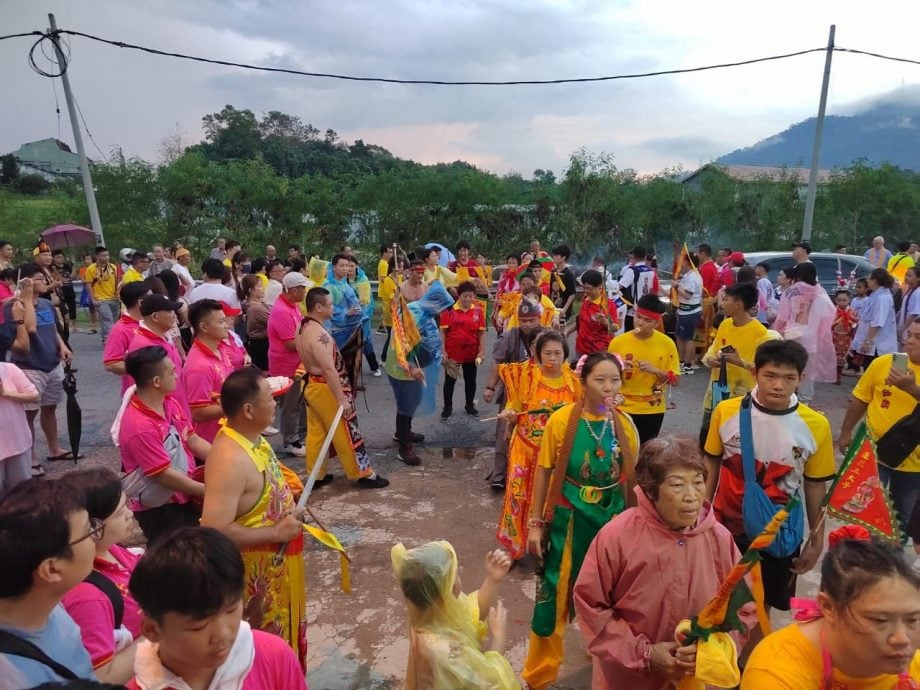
<point x="97" y="529"/>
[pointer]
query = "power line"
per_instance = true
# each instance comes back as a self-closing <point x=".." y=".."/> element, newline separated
<point x="88" y="133"/>
<point x="878" y="55"/>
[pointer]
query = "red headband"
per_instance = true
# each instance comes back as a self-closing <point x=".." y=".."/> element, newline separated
<point x="649" y="314"/>
<point x="852" y="532"/>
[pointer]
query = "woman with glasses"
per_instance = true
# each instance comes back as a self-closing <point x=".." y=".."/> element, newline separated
<point x="109" y="618"/>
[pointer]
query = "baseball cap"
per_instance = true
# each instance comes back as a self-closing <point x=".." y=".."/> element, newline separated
<point x="528" y="309"/>
<point x="230" y="310"/>
<point x="151" y="304"/>
<point x="737" y="258"/>
<point x="295" y="279"/>
<point x="182" y="252"/>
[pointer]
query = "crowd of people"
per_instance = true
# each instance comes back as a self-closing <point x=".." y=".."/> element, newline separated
<point x="628" y="529"/>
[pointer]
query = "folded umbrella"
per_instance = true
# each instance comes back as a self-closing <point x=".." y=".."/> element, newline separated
<point x="74" y="413"/>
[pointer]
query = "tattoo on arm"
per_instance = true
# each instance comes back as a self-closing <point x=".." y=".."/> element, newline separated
<point x="324" y="339"/>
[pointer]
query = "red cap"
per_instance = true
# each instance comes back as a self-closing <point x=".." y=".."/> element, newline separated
<point x="737" y="258"/>
<point x="229" y="310"/>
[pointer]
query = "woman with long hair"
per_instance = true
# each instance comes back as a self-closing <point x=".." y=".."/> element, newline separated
<point x="585" y="476"/>
<point x="535" y="390"/>
<point x="256" y="313"/>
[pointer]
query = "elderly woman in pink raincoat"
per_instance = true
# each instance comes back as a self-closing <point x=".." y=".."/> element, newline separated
<point x="652" y="567"/>
<point x="806" y="314"/>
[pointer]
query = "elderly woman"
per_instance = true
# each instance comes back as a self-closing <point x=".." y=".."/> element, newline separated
<point x="651" y="567"/>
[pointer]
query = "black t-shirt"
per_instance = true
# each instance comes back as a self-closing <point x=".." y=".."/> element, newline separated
<point x="560" y="295"/>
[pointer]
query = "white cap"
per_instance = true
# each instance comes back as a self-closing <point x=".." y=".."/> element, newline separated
<point x="295" y="279"/>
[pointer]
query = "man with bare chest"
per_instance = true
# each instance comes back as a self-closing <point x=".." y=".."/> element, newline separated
<point x="414" y="287"/>
<point x="247" y="498"/>
<point x="327" y="388"/>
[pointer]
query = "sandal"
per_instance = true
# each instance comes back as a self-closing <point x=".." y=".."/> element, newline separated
<point x="66" y="455"/>
<point x="38" y="471"/>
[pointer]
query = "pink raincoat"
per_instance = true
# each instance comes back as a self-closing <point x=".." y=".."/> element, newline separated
<point x="806" y="314"/>
<point x="640" y="578"/>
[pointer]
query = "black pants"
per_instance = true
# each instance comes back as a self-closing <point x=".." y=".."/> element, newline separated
<point x="469" y="385"/>
<point x="258" y="351"/>
<point x="648" y="425"/>
<point x="386" y="344"/>
<point x="69" y="298"/>
<point x="403" y="429"/>
<point x="368" y="349"/>
<point x="159" y="522"/>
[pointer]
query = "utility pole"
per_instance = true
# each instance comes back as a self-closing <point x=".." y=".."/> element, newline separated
<point x="819" y="131"/>
<point x="78" y="139"/>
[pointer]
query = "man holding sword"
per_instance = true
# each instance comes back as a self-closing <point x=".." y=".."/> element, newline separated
<point x="328" y="387"/>
<point x="247" y="498"/>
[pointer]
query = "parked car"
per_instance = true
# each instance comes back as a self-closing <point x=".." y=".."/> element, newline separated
<point x="827" y="265"/>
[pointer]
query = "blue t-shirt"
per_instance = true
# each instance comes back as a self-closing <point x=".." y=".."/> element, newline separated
<point x="43" y="351"/>
<point x="59" y="640"/>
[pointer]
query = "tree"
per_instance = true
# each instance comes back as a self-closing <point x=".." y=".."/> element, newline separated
<point x="10" y="169"/>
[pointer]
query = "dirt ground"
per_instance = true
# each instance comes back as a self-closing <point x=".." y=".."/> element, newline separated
<point x="358" y="640"/>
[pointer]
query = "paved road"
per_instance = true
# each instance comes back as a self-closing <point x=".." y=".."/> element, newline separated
<point x="358" y="640"/>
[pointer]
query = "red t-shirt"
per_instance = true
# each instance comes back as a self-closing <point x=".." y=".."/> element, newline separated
<point x="146" y="338"/>
<point x="461" y="332"/>
<point x="143" y="436"/>
<point x="92" y="610"/>
<point x="595" y="326"/>
<point x="117" y="342"/>
<point x="203" y="376"/>
<point x="283" y="324"/>
<point x="709" y="272"/>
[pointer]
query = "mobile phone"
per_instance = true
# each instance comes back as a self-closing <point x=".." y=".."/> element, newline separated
<point x="899" y="362"/>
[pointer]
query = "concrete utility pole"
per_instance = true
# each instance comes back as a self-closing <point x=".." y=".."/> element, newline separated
<point x="819" y="130"/>
<point x="78" y="140"/>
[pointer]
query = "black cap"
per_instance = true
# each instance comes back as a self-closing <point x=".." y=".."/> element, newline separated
<point x="804" y="244"/>
<point x="151" y="304"/>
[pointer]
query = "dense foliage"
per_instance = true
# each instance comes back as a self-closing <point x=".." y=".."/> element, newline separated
<point x="275" y="179"/>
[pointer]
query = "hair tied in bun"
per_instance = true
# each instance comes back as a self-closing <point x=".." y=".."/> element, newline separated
<point x="852" y="532"/>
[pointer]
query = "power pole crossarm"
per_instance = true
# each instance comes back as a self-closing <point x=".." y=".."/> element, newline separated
<point x="78" y="139"/>
<point x="819" y="131"/>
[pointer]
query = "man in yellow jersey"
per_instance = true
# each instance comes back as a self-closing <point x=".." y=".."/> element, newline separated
<point x="102" y="279"/>
<point x="650" y="363"/>
<point x="900" y="262"/>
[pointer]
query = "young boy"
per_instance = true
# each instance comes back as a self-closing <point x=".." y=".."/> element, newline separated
<point x="843" y="328"/>
<point x="190" y="589"/>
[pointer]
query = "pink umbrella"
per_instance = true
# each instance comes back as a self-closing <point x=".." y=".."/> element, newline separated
<point x="61" y="236"/>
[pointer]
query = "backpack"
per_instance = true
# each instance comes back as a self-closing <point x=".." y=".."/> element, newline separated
<point x="13" y="645"/>
<point x="110" y="589"/>
<point x="633" y="293"/>
<point x="757" y="509"/>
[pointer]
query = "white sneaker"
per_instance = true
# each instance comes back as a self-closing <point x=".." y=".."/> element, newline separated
<point x="295" y="449"/>
<point x="377" y="373"/>
<point x="269" y="431"/>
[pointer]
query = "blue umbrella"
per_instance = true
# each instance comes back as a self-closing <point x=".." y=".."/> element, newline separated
<point x="446" y="254"/>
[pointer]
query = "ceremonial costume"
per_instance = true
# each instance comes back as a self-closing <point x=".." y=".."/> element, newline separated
<point x="274" y="597"/>
<point x="597" y="322"/>
<point x="589" y="494"/>
<point x="535" y="396"/>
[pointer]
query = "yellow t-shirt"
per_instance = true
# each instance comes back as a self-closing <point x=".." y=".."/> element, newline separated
<point x="745" y="341"/>
<point x="898" y="265"/>
<point x="887" y="404"/>
<point x="660" y="352"/>
<point x="386" y="291"/>
<point x="554" y="434"/>
<point x="383" y="268"/>
<point x="447" y="277"/>
<point x="132" y="275"/>
<point x="787" y="660"/>
<point x="103" y="285"/>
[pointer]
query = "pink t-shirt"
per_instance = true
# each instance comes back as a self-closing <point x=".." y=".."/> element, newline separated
<point x="203" y="376"/>
<point x="16" y="437"/>
<point x="274" y="666"/>
<point x="236" y="351"/>
<point x="92" y="610"/>
<point x="146" y="338"/>
<point x="146" y="438"/>
<point x="116" y="345"/>
<point x="283" y="324"/>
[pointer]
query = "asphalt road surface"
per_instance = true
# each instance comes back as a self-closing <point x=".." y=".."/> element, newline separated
<point x="359" y="640"/>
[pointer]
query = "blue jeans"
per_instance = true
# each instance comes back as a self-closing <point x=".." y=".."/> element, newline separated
<point x="904" y="489"/>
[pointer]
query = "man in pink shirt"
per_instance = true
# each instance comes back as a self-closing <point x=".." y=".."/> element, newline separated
<point x="124" y="330"/>
<point x="190" y="588"/>
<point x="283" y="360"/>
<point x="157" y="445"/>
<point x="207" y="366"/>
<point x="158" y="317"/>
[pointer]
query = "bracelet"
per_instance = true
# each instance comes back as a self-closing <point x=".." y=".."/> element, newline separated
<point x="536" y="522"/>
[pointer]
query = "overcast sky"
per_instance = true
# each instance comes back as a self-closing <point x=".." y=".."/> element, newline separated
<point x="134" y="99"/>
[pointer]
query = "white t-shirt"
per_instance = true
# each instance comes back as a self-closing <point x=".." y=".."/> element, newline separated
<point x="221" y="293"/>
<point x="692" y="282"/>
<point x="184" y="277"/>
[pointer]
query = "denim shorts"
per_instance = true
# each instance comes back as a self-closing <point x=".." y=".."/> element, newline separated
<point x="686" y="325"/>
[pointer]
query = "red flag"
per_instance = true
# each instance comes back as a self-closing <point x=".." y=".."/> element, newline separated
<point x="857" y="495"/>
<point x="675" y="273"/>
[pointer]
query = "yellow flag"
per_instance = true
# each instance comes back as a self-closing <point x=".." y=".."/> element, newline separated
<point x="329" y="540"/>
<point x="318" y="270"/>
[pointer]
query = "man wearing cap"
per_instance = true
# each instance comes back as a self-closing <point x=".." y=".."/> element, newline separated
<point x="158" y="318"/>
<point x="207" y="366"/>
<point x="180" y="268"/>
<point x="102" y="277"/>
<point x="511" y="345"/>
<point x="124" y="330"/>
<point x="283" y="360"/>
<point x="877" y="255"/>
<point x="139" y="264"/>
<point x="801" y="250"/>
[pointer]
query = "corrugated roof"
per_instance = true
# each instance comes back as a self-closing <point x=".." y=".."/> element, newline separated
<point x="753" y="173"/>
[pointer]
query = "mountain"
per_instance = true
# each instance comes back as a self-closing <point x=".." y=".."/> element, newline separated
<point x="882" y="130"/>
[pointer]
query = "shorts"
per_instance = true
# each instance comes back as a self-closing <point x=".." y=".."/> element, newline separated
<point x="49" y="384"/>
<point x="686" y="325"/>
<point x="778" y="578"/>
